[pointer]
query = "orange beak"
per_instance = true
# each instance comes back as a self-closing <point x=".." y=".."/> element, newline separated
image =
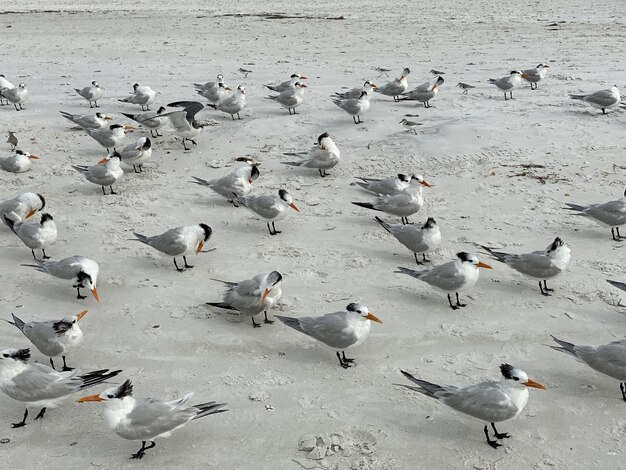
<point x="294" y="207"/>
<point x="322" y="147"/>
<point x="424" y="183"/>
<point x="89" y="398"/>
<point x="302" y="77"/>
<point x="250" y="180"/>
<point x="524" y="75"/>
<point x="81" y="314"/>
<point x="227" y="88"/>
<point x="265" y="294"/>
<point x="200" y="245"/>
<point x="107" y="118"/>
<point x="33" y="157"/>
<point x="372" y="85"/>
<point x="104" y="160"/>
<point x="30" y="213"/>
<point x="94" y="292"/>
<point x="533" y="384"/>
<point x="483" y="265"/>
<point x="371" y="316"/>
<point x="128" y="128"/>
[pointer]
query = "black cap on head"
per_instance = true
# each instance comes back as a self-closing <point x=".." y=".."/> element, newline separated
<point x="322" y="136"/>
<point x="555" y="244"/>
<point x="19" y="354"/>
<point x="43" y="201"/>
<point x="45" y="217"/>
<point x="463" y="256"/>
<point x="506" y="370"/>
<point x="135" y="86"/>
<point x="352" y="307"/>
<point x="295" y="75"/>
<point x="124" y="390"/>
<point x="430" y="223"/>
<point x="254" y="173"/>
<point x="160" y="110"/>
<point x="116" y="126"/>
<point x="403" y="177"/>
<point x="147" y="144"/>
<point x="283" y="194"/>
<point x="207" y="231"/>
<point x="275" y="277"/>
<point x="20" y="152"/>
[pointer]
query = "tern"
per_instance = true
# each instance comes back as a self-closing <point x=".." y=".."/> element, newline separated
<point x="12" y="139"/>
<point x="211" y="85"/>
<point x="608" y="214"/>
<point x="237" y="183"/>
<point x="338" y="330"/>
<point x="91" y="93"/>
<point x="232" y="104"/>
<point x="24" y="205"/>
<point x="151" y="120"/>
<point x="451" y="277"/>
<point x="287" y="84"/>
<point x="509" y="83"/>
<point x="355" y="107"/>
<point x="425" y="92"/>
<point x="424" y="239"/>
<point x="19" y="162"/>
<point x="4" y="84"/>
<point x="355" y="93"/>
<point x="184" y="121"/>
<point x="323" y="156"/>
<point x="291" y="98"/>
<point x="603" y="99"/>
<point x="179" y="241"/>
<point x="136" y="154"/>
<point x="147" y="419"/>
<point x="396" y="87"/>
<point x="253" y="296"/>
<point x="105" y="173"/>
<point x="35" y="235"/>
<point x="465" y="87"/>
<point x="492" y="402"/>
<point x="534" y="76"/>
<point x="142" y="95"/>
<point x="269" y="207"/>
<point x="386" y="186"/>
<point x="18" y="96"/>
<point x="88" y="121"/>
<point x="109" y="137"/>
<point x="83" y="271"/>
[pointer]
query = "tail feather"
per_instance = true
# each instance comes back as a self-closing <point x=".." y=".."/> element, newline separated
<point x="130" y="116"/>
<point x="410" y="272"/>
<point x="67" y="116"/>
<point x="578" y="97"/>
<point x="98" y="376"/>
<point x="209" y="408"/>
<point x="492" y="80"/>
<point x="367" y="205"/>
<point x="17" y="322"/>
<point x="140" y="238"/>
<point x="223" y="305"/>
<point x="574" y="207"/>
<point x="200" y="181"/>
<point x="77" y="90"/>
<point x="619" y="285"/>
<point x="565" y="347"/>
<point x="384" y="224"/>
<point x="290" y="322"/>
<point x="228" y="283"/>
<point x="423" y="387"/>
<point x="39" y="266"/>
<point x="292" y="163"/>
<point x="496" y="255"/>
<point x="123" y="100"/>
<point x="211" y="105"/>
<point x="9" y="222"/>
<point x="81" y="168"/>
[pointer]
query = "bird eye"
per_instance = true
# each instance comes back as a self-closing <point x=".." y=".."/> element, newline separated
<point x="109" y="396"/>
<point x="516" y="378"/>
<point x="5" y="355"/>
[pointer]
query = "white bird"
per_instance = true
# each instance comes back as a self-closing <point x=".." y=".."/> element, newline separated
<point x="603" y="99"/>
<point x="338" y="330"/>
<point x="4" y="84"/>
<point x="404" y="203"/>
<point x="451" y="277"/>
<point x="424" y="239"/>
<point x="213" y="91"/>
<point x="109" y="137"/>
<point x="88" y="121"/>
<point x="83" y="271"/>
<point x="269" y="207"/>
<point x="105" y="173"/>
<point x="542" y="265"/>
<point x="253" y="296"/>
<point x="35" y="235"/>
<point x="39" y="386"/>
<point x="355" y="93"/>
<point x="608" y="214"/>
<point x="425" y="92"/>
<point x="19" y="162"/>
<point x="396" y="87"/>
<point x="184" y="121"/>
<point x="410" y="125"/>
<point x="151" y="120"/>
<point x="54" y="338"/>
<point x="323" y="156"/>
<point x="608" y="359"/>
<point x="17" y="96"/>
<point x="491" y="402"/>
<point x="24" y="205"/>
<point x="386" y="186"/>
<point x="232" y="104"/>
<point x="147" y="419"/>
<point x="291" y="98"/>
<point x="287" y="84"/>
<point x="91" y="93"/>
<point x="237" y="183"/>
<point x="534" y="76"/>
<point x="137" y="154"/>
<point x="509" y="83"/>
<point x="355" y="107"/>
<point x="211" y="85"/>
<point x="142" y="95"/>
<point x="179" y="241"/>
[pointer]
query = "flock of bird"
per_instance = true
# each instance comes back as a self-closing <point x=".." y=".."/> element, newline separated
<point x="141" y="419"/>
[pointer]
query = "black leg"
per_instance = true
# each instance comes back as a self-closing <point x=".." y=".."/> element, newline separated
<point x="603" y="111"/>
<point x="23" y="422"/>
<point x="33" y="252"/>
<point x="135" y="169"/>
<point x="78" y="296"/>
<point x="142" y="451"/>
<point x="40" y="414"/>
<point x="275" y="231"/>
<point x="44" y="254"/>
<point x="65" y="368"/>
<point x="255" y="324"/>
<point x="504" y="435"/>
<point x="269" y="322"/>
<point x="185" y="145"/>
<point x="52" y="363"/>
<point x="111" y="188"/>
<point x="97" y="106"/>
<point x="545" y="287"/>
<point x="270" y="229"/>
<point x="177" y="268"/>
<point x="187" y="265"/>
<point x="103" y="191"/>
<point x="458" y="302"/>
<point x="542" y="291"/>
<point x="452" y="306"/>
<point x="617" y="237"/>
<point x="343" y="363"/>
<point x="238" y="116"/>
<point x="622" y="387"/>
<point x="345" y="359"/>
<point x="417" y="260"/>
<point x="232" y="116"/>
<point x="492" y="443"/>
<point x="505" y="99"/>
<point x="426" y="260"/>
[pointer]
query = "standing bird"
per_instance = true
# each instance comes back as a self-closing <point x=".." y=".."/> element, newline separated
<point x="338" y="330"/>
<point x="509" y="83"/>
<point x="105" y="173"/>
<point x="215" y="93"/>
<point x="35" y="235"/>
<point x="18" y="96"/>
<point x="424" y="239"/>
<point x="355" y="93"/>
<point x="54" y="338"/>
<point x="542" y="265"/>
<point x="12" y="139"/>
<point x="24" y="205"/>
<point x="425" y="92"/>
<point x="146" y="419"/>
<point x="253" y="296"/>
<point x="184" y="121"/>
<point x="291" y="98"/>
<point x="91" y="93"/>
<point x="396" y="87"/>
<point x="210" y="85"/>
<point x="465" y="87"/>
<point x="88" y="121"/>
<point x="136" y="154"/>
<point x="608" y="359"/>
<point x="492" y="402"/>
<point x="232" y="104"/>
<point x="608" y="214"/>
<point x="4" y="84"/>
<point x="410" y="125"/>
<point x="386" y="186"/>
<point x="534" y="76"/>
<point x="19" y="162"/>
<point x="109" y="137"/>
<point x="323" y="156"/>
<point x="151" y="120"/>
<point x="83" y="271"/>
<point x="451" y="277"/>
<point x="142" y="95"/>
<point x="270" y="208"/>
<point x="603" y="99"/>
<point x="287" y="84"/>
<point x="237" y="183"/>
<point x="355" y="107"/>
<point x="39" y="386"/>
<point x="179" y="241"/>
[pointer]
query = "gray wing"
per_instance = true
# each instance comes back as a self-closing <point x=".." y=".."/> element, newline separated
<point x="178" y="120"/>
<point x="331" y="329"/>
<point x="536" y="265"/>
<point x="611" y="213"/>
<point x="265" y="206"/>
<point x="445" y="276"/>
<point x="191" y="108"/>
<point x="151" y="418"/>
<point x="392" y="88"/>
<point x="287" y="99"/>
<point x="601" y="98"/>
<point x="610" y="359"/>
<point x="171" y="243"/>
<point x="38" y="383"/>
<point x="43" y="336"/>
<point x="484" y="401"/>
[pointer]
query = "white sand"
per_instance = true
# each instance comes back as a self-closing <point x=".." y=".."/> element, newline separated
<point x="332" y="253"/>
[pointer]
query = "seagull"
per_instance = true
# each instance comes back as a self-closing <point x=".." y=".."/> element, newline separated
<point x="146" y="419"/>
<point x="603" y="99"/>
<point x="453" y="276"/>
<point x="12" y="139"/>
<point x="269" y="207"/>
<point x="410" y="125"/>
<point x="91" y="93"/>
<point x="19" y="162"/>
<point x="237" y="183"/>
<point x="142" y="95"/>
<point x="424" y="239"/>
<point x="36" y="235"/>
<point x="542" y="265"/>
<point x="83" y="271"/>
<point x="492" y="402"/>
<point x="179" y="241"/>
<point x="396" y="87"/>
<point x="534" y="76"/>
<point x="465" y="87"/>
<point x="355" y="107"/>
<point x="53" y="338"/>
<point x="608" y="214"/>
<point x="17" y="96"/>
<point x="404" y="203"/>
<point x="253" y="296"/>
<point x="109" y="137"/>
<point x="355" y="93"/>
<point x="608" y="359"/>
<point x="105" y="173"/>
<point x="88" y="121"/>
<point x="232" y="104"/>
<point x="39" y="386"/>
<point x="152" y="120"/>
<point x="184" y="121"/>
<point x="323" y="156"/>
<point x="287" y="84"/>
<point x="386" y="186"/>
<point x="136" y="154"/>
<point x="509" y="83"/>
<point x="338" y="330"/>
<point x="425" y="92"/>
<point x="291" y="98"/>
<point x="4" y="84"/>
<point x="24" y="205"/>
